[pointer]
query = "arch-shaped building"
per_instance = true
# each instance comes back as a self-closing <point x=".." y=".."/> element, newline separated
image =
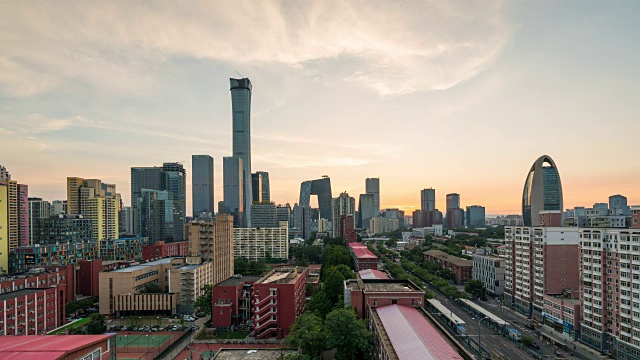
<point x="542" y="190"/>
<point x="321" y="188"/>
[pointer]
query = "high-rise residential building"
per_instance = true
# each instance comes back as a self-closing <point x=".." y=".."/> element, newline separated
<point x="241" y="107"/>
<point x="62" y="228"/>
<point x="38" y="209"/>
<point x="128" y="221"/>
<point x="397" y="214"/>
<point x="171" y="177"/>
<point x="213" y="241"/>
<point x="539" y="261"/>
<point x="475" y="216"/>
<point x="542" y="190"/>
<point x="321" y="188"/>
<point x="4" y="174"/>
<point x="256" y="187"/>
<point x="264" y="215"/>
<point x="618" y="205"/>
<point x="8" y="221"/>
<point x="155" y="216"/>
<point x="342" y="205"/>
<point x="73" y="195"/>
<point x="23" y="215"/>
<point x="263" y="243"/>
<point x="58" y="207"/>
<point x="610" y="289"/>
<point x="103" y="213"/>
<point x="428" y="199"/>
<point x="202" y="184"/>
<point x="453" y="201"/>
<point x="265" y="189"/>
<point x="366" y="210"/>
<point x="233" y="190"/>
<point x="372" y="186"/>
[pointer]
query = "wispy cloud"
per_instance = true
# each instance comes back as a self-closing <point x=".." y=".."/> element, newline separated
<point x="393" y="47"/>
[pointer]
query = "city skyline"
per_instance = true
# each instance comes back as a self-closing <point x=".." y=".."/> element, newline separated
<point x="93" y="103"/>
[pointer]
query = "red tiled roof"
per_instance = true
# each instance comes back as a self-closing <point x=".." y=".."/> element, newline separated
<point x="44" y="347"/>
<point x="363" y="253"/>
<point x="372" y="274"/>
<point x="412" y="335"/>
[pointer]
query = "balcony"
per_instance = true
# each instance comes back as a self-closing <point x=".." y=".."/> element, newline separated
<point x="261" y="302"/>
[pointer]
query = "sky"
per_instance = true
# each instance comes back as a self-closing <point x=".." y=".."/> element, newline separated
<point x="461" y="96"/>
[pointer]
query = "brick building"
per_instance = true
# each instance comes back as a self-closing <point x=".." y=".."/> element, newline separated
<point x="362" y="293"/>
<point x="60" y="277"/>
<point x="31" y="311"/>
<point x="231" y="301"/>
<point x="462" y="269"/>
<point x="347" y="229"/>
<point x="278" y="299"/>
<point x="362" y="257"/>
<point x="58" y="347"/>
<point x="161" y="250"/>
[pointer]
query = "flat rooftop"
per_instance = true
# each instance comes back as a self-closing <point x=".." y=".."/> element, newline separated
<point x="282" y="275"/>
<point x="388" y="285"/>
<point x="235" y="281"/>
<point x="449" y="258"/>
<point x="250" y="354"/>
<point x="145" y="265"/>
<point x="17" y="293"/>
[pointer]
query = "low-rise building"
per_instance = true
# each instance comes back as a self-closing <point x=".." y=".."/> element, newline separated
<point x="490" y="270"/>
<point x="261" y="243"/>
<point x="60" y="277"/>
<point x="121" y="290"/>
<point x="161" y="250"/>
<point x="562" y="313"/>
<point x="278" y="299"/>
<point x="362" y="257"/>
<point x="462" y="269"/>
<point x="231" y="301"/>
<point x="187" y="282"/>
<point x="31" y="311"/>
<point x="404" y="332"/>
<point x="59" y="347"/>
<point x="363" y="293"/>
<point x="372" y="274"/>
<point x="122" y="249"/>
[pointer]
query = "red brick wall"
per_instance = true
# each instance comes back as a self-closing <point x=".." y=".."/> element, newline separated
<point x="554" y="271"/>
<point x="88" y="275"/>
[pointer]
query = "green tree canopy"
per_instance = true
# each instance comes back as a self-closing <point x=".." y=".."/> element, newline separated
<point x="348" y="335"/>
<point x="320" y="303"/>
<point x="526" y="340"/>
<point x="98" y="324"/>
<point x="336" y="255"/>
<point x="308" y="335"/>
<point x="475" y="288"/>
<point x="333" y="284"/>
<point x="204" y="301"/>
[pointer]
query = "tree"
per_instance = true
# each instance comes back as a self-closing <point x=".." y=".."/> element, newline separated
<point x="320" y="303"/>
<point x="475" y="288"/>
<point x="308" y="335"/>
<point x="348" y="335"/>
<point x="151" y="288"/>
<point x="204" y="301"/>
<point x="391" y="242"/>
<point x="333" y="284"/>
<point x="526" y="340"/>
<point x="98" y="324"/>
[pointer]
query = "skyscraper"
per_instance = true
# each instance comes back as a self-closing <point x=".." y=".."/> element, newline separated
<point x="475" y="216"/>
<point x="241" y="107"/>
<point x="366" y="210"/>
<point x="321" y="188"/>
<point x="233" y="189"/>
<point x="453" y="201"/>
<point x="542" y="190"/>
<point x="38" y="209"/>
<point x="202" y="184"/>
<point x="428" y="199"/>
<point x="264" y="190"/>
<point x="342" y="205"/>
<point x="372" y="186"/>
<point x="256" y="187"/>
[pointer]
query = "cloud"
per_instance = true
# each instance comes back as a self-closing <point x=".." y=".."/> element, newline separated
<point x="390" y="47"/>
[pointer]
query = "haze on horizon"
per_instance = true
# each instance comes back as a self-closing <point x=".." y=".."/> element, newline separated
<point x="462" y="97"/>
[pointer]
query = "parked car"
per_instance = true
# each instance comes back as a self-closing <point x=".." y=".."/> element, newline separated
<point x="535" y="345"/>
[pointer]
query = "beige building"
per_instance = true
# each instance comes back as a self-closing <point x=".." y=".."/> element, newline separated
<point x="187" y="282"/>
<point x="261" y="243"/>
<point x="213" y="242"/>
<point x="97" y="201"/>
<point x="120" y="289"/>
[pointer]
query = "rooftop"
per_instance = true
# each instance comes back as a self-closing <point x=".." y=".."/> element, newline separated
<point x="449" y="258"/>
<point x="363" y="253"/>
<point x="23" y="292"/>
<point x="244" y="354"/>
<point x="44" y="347"/>
<point x="145" y="265"/>
<point x="235" y="281"/>
<point x="389" y="285"/>
<point x="372" y="274"/>
<point x="282" y="275"/>
<point x="411" y="335"/>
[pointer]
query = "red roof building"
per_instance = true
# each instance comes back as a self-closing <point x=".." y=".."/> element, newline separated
<point x="161" y="250"/>
<point x="57" y="347"/>
<point x="404" y="332"/>
<point x="363" y="258"/>
<point x="361" y="294"/>
<point x="231" y="301"/>
<point x="372" y="274"/>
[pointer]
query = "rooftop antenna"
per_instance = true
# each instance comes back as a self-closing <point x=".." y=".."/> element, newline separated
<point x="239" y="74"/>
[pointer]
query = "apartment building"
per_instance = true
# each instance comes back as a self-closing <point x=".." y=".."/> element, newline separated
<point x="462" y="269"/>
<point x="362" y="257"/>
<point x="490" y="270"/>
<point x="262" y="243"/>
<point x="539" y="261"/>
<point x="161" y="250"/>
<point x="214" y="242"/>
<point x="231" y="301"/>
<point x="278" y="299"/>
<point x="27" y="257"/>
<point x="187" y="282"/>
<point x="610" y="290"/>
<point x="30" y="311"/>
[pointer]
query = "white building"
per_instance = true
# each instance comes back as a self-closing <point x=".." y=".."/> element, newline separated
<point x="435" y="230"/>
<point x="490" y="270"/>
<point x="262" y="243"/>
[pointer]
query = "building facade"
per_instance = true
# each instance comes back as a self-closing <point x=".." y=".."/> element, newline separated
<point x="255" y="244"/>
<point x="462" y="269"/>
<point x="38" y="209"/>
<point x="241" y="90"/>
<point x="428" y="199"/>
<point x="264" y="215"/>
<point x="363" y="258"/>
<point x="372" y="187"/>
<point x="366" y="210"/>
<point x="187" y="282"/>
<point x="214" y="242"/>
<point x="364" y="293"/>
<point x="28" y="257"/>
<point x="63" y="228"/>
<point x="202" y="198"/>
<point x="30" y="311"/>
<point x="475" y="215"/>
<point x="161" y="250"/>
<point x="542" y="190"/>
<point x="342" y="205"/>
<point x="490" y="270"/>
<point x="321" y="188"/>
<point x="234" y="195"/>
